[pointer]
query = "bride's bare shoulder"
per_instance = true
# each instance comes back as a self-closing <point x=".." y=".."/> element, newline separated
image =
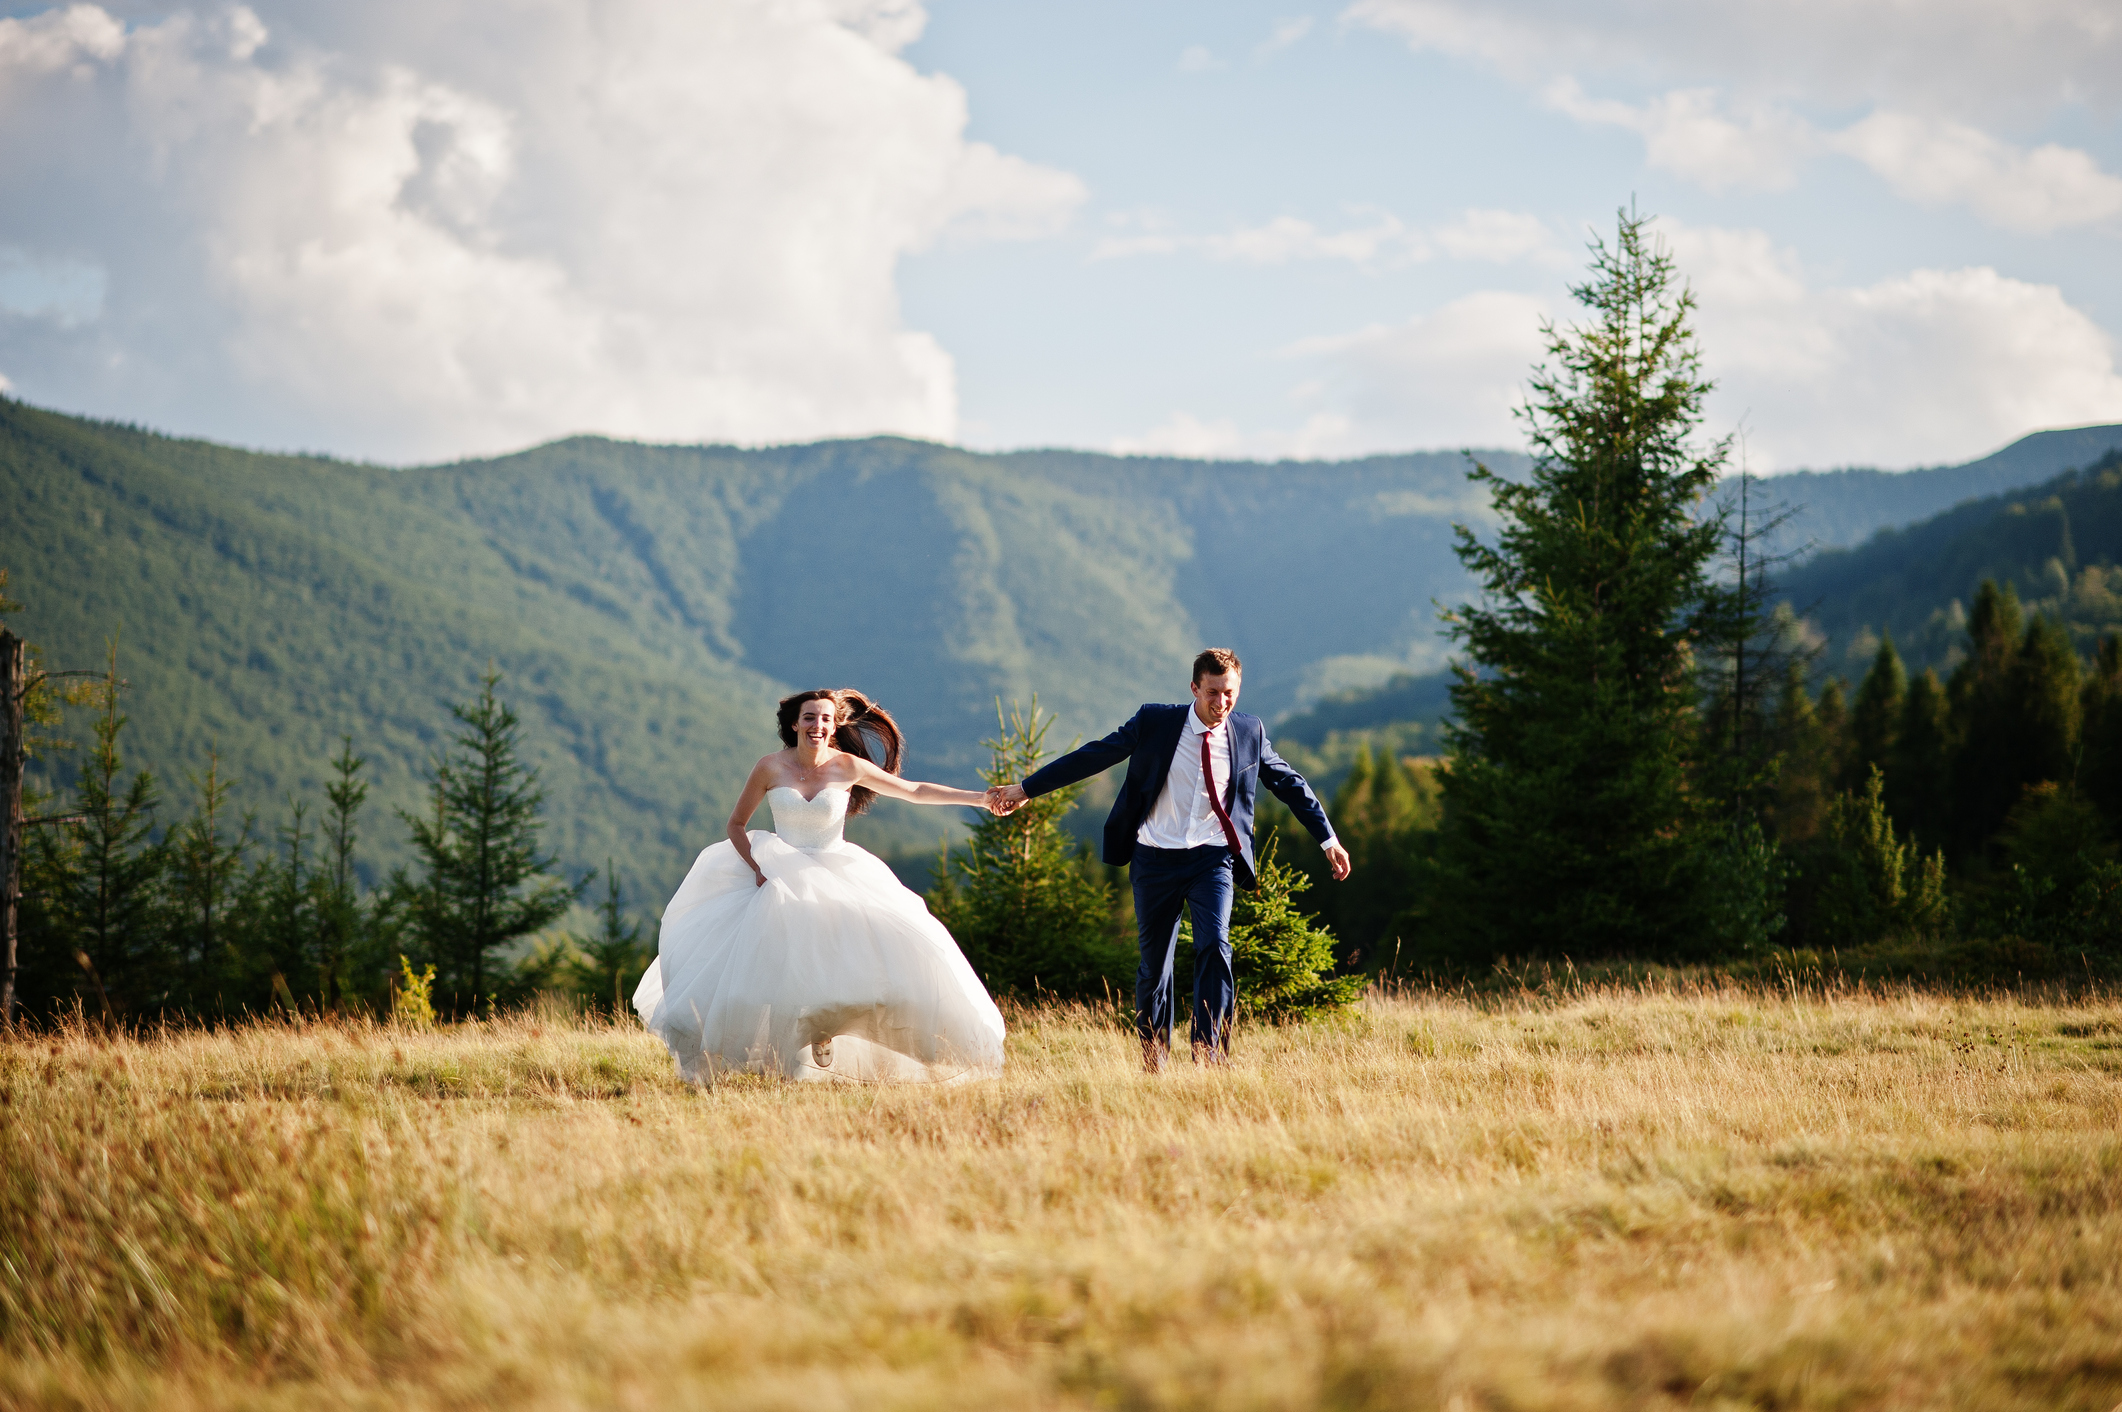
<point x="772" y="767"/>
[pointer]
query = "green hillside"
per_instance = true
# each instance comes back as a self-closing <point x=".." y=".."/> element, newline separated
<point x="1848" y="592"/>
<point x="270" y="604"/>
<point x="1840" y="509"/>
<point x="647" y="604"/>
<point x="2059" y="545"/>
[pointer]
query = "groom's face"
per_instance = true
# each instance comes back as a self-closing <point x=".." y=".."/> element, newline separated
<point x="1215" y="698"/>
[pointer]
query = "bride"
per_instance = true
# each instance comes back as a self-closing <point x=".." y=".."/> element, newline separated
<point x="796" y="952"/>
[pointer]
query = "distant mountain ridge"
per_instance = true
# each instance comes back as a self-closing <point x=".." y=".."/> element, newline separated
<point x="647" y="604"/>
<point x="1837" y="509"/>
<point x="2057" y="545"/>
<point x="1907" y="580"/>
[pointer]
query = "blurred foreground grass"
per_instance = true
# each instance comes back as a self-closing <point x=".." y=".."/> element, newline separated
<point x="1617" y="1198"/>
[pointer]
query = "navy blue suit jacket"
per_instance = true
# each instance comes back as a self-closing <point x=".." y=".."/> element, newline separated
<point x="1147" y="743"/>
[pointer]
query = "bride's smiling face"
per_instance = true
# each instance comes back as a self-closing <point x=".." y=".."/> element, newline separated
<point x="816" y="722"/>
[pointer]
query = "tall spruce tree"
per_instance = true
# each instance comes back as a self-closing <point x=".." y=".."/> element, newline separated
<point x="341" y="920"/>
<point x="1986" y="780"/>
<point x="607" y="965"/>
<point x="1833" y="713"/>
<point x="206" y="886"/>
<point x="2100" y="733"/>
<point x="279" y="963"/>
<point x="1805" y="749"/>
<point x="1386" y="813"/>
<point x="1875" y="720"/>
<point x="105" y="877"/>
<point x="1575" y="704"/>
<point x="2015" y="703"/>
<point x="486" y="884"/>
<point x="1919" y="771"/>
<point x="2045" y="681"/>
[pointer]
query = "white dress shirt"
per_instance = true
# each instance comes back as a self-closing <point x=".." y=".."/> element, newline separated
<point x="1182" y="816"/>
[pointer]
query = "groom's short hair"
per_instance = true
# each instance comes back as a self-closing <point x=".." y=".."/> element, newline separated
<point x="1217" y="662"/>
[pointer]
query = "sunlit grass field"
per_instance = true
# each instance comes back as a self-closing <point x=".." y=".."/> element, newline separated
<point x="1605" y="1198"/>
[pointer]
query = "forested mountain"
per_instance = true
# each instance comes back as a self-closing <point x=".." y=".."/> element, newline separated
<point x="1837" y="509"/>
<point x="1906" y="578"/>
<point x="646" y="604"/>
<point x="1423" y="700"/>
<point x="2057" y="545"/>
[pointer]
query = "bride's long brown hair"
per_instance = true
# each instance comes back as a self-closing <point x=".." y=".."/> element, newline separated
<point x="861" y="728"/>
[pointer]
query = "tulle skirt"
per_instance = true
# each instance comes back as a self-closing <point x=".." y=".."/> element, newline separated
<point x="832" y="970"/>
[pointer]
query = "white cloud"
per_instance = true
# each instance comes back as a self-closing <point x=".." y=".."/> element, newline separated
<point x="1684" y="133"/>
<point x="891" y="25"/>
<point x="407" y="232"/>
<point x="1928" y="367"/>
<point x="1287" y="238"/>
<point x="1322" y="435"/>
<point x="1939" y="162"/>
<point x="1501" y="238"/>
<point x="1198" y="59"/>
<point x="1183" y="434"/>
<point x="1378" y="240"/>
<point x="1285" y="33"/>
<point x="1932" y="160"/>
<point x="1382" y="239"/>
<point x="1924" y="72"/>
<point x="1448" y="378"/>
<point x="1445" y="379"/>
<point x="1944" y="56"/>
<point x="61" y="40"/>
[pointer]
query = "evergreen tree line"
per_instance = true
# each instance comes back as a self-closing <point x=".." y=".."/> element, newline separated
<point x="137" y="915"/>
<point x="1639" y="766"/>
<point x="1996" y="793"/>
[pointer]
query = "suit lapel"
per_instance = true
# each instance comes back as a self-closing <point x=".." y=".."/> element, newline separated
<point x="1244" y="752"/>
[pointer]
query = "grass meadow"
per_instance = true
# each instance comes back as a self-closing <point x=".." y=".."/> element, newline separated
<point x="1605" y="1198"/>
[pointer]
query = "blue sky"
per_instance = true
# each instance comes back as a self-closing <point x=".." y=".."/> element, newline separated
<point x="403" y="231"/>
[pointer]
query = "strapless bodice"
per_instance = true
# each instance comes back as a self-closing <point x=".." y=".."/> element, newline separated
<point x="808" y="823"/>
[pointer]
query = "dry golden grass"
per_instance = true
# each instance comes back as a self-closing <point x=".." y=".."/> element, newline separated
<point x="1616" y="1199"/>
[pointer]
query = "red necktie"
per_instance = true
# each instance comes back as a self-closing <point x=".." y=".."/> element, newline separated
<point x="1215" y="800"/>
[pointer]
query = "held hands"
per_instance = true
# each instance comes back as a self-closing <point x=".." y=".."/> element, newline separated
<point x="1004" y="798"/>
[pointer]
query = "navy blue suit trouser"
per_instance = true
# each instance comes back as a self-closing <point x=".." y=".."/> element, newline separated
<point x="1200" y="879"/>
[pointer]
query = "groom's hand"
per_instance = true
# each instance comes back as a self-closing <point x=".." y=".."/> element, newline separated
<point x="1338" y="856"/>
<point x="1004" y="798"/>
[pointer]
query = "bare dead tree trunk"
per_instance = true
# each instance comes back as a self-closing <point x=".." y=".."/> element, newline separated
<point x="14" y="687"/>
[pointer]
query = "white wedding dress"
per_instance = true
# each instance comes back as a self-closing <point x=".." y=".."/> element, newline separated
<point x="832" y="970"/>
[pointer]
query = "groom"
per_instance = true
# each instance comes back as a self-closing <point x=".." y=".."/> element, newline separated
<point x="1185" y="820"/>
